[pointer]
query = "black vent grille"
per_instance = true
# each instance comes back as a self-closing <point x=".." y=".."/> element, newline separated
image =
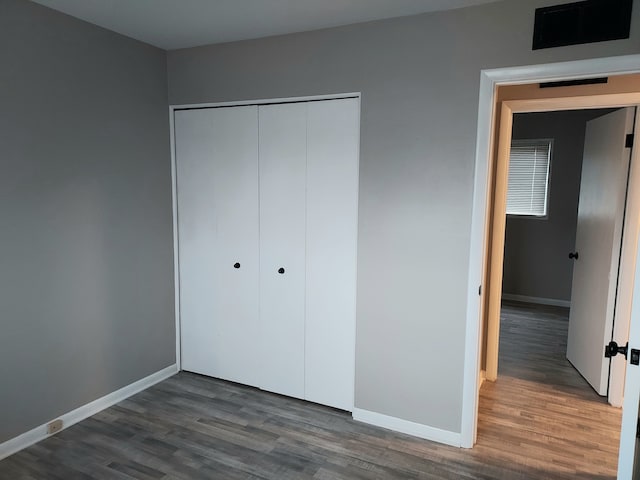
<point x="582" y="22"/>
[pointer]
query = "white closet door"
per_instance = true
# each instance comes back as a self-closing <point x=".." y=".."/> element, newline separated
<point x="217" y="189"/>
<point x="282" y="154"/>
<point x="332" y="220"/>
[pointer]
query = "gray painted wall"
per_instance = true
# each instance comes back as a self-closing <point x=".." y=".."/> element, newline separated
<point x="536" y="262"/>
<point x="419" y="78"/>
<point x="86" y="273"/>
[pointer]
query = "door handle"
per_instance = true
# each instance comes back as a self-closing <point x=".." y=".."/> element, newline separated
<point x="281" y="270"/>
<point x="573" y="255"/>
<point x="236" y="265"/>
<point x="612" y="349"/>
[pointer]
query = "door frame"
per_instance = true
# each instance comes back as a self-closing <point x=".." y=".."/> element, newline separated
<point x="174" y="181"/>
<point x="483" y="196"/>
<point x="498" y="224"/>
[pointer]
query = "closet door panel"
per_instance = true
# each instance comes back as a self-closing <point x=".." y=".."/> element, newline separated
<point x="332" y="221"/>
<point x="282" y="158"/>
<point x="217" y="190"/>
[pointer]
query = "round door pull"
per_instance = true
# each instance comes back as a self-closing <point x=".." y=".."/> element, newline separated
<point x="236" y="265"/>
<point x="573" y="255"/>
<point x="281" y="270"/>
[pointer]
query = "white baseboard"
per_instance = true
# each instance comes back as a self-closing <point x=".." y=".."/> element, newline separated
<point x="40" y="433"/>
<point x="405" y="426"/>
<point x="537" y="300"/>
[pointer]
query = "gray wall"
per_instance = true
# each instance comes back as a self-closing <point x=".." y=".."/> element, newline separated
<point x="419" y="78"/>
<point x="536" y="262"/>
<point x="86" y="274"/>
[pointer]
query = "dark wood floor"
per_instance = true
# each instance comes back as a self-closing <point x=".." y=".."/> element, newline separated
<point x="193" y="427"/>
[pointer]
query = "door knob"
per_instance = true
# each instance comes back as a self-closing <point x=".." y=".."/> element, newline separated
<point x="236" y="265"/>
<point x="281" y="270"/>
<point x="573" y="255"/>
<point x="612" y="349"/>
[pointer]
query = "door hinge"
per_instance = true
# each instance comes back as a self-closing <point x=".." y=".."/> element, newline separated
<point x="480" y="290"/>
<point x="628" y="143"/>
<point x="638" y="429"/>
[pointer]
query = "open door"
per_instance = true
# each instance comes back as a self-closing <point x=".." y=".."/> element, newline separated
<point x="629" y="453"/>
<point x="628" y="458"/>
<point x="603" y="189"/>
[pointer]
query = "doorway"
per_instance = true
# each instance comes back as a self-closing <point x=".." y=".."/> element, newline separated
<point x="621" y="90"/>
<point x="541" y="405"/>
<point x="564" y="230"/>
<point x="496" y="256"/>
<point x="541" y="415"/>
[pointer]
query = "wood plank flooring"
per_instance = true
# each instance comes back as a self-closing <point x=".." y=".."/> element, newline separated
<point x="541" y="412"/>
<point x="194" y="427"/>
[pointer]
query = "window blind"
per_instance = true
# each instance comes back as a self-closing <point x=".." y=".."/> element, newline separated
<point x="528" y="186"/>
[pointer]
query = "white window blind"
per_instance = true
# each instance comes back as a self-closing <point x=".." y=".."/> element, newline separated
<point x="528" y="188"/>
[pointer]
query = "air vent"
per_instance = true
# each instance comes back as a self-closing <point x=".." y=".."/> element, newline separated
<point x="573" y="83"/>
<point x="582" y="22"/>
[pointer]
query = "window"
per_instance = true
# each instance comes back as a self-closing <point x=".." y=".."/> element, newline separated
<point x="528" y="189"/>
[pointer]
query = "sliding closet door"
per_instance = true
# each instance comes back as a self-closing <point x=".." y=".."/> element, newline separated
<point x="217" y="189"/>
<point x="282" y="246"/>
<point x="332" y="220"/>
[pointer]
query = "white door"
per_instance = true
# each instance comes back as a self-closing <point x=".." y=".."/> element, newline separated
<point x="628" y="459"/>
<point x="283" y="157"/>
<point x="598" y="242"/>
<point x="332" y="220"/>
<point x="217" y="192"/>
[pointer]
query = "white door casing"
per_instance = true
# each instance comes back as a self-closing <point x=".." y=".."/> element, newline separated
<point x="601" y="208"/>
<point x="486" y="118"/>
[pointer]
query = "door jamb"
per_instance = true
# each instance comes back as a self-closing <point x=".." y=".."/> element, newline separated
<point x="489" y="80"/>
<point x="499" y="203"/>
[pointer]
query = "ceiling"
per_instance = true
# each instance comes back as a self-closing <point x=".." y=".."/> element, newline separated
<point x="173" y="24"/>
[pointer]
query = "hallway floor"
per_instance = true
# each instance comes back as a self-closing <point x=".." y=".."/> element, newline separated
<point x="541" y="413"/>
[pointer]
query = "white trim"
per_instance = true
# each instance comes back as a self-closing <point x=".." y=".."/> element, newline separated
<point x="473" y="333"/>
<point x="81" y="413"/>
<point x="405" y="426"/>
<point x="176" y="259"/>
<point x="547" y="72"/>
<point x="554" y="302"/>
<point x="489" y="79"/>
<point x="262" y="101"/>
<point x="355" y="298"/>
